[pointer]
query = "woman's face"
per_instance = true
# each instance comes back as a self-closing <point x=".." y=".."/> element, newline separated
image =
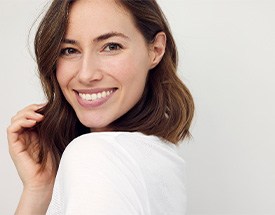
<point x="103" y="64"/>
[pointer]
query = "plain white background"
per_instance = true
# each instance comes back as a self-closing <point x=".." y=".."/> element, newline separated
<point x="227" y="59"/>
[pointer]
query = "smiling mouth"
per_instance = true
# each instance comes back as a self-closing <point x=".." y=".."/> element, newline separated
<point x="96" y="96"/>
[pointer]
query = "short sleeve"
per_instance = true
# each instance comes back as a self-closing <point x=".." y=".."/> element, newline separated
<point x="97" y="177"/>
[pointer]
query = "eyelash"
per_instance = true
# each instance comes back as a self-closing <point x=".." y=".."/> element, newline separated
<point x="118" y="46"/>
<point x="63" y="51"/>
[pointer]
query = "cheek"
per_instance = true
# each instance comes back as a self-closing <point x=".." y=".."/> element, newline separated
<point x="128" y="69"/>
<point x="131" y="73"/>
<point x="63" y="74"/>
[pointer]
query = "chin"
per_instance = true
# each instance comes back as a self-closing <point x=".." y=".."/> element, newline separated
<point x="97" y="123"/>
<point x="94" y="126"/>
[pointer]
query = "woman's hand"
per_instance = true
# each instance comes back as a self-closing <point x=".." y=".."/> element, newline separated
<point x="24" y="150"/>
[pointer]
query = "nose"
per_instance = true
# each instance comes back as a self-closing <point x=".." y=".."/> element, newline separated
<point x="89" y="69"/>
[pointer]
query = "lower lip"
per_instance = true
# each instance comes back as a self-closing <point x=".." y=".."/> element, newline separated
<point x="93" y="104"/>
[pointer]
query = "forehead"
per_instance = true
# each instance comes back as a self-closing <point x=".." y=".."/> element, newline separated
<point x="97" y="16"/>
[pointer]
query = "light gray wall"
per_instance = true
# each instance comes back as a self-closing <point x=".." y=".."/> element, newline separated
<point x="19" y="85"/>
<point x="227" y="52"/>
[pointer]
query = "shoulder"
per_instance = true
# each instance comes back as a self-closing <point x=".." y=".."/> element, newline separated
<point x="89" y="149"/>
<point x="102" y="139"/>
<point x="92" y="140"/>
<point x="114" y="172"/>
<point x="92" y="143"/>
<point x="128" y="149"/>
<point x="102" y="148"/>
<point x="92" y="157"/>
<point x="97" y="176"/>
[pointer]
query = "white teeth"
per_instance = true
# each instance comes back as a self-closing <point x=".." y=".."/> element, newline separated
<point x="88" y="96"/>
<point x="95" y="96"/>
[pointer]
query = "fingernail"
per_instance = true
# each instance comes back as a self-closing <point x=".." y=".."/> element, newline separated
<point x="32" y="121"/>
<point x="39" y="115"/>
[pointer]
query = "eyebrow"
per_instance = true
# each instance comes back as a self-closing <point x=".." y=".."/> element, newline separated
<point x="99" y="38"/>
<point x="109" y="35"/>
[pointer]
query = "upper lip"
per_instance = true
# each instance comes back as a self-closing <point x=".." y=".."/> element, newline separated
<point x="94" y="90"/>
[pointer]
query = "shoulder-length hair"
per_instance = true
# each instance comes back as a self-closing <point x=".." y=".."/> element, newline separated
<point x="165" y="109"/>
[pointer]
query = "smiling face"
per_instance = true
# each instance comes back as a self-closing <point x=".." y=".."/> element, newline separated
<point x="103" y="63"/>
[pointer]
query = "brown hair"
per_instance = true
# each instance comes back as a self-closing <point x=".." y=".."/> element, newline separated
<point x="165" y="109"/>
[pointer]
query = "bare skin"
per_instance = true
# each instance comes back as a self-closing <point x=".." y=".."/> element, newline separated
<point x="123" y="67"/>
<point x="38" y="188"/>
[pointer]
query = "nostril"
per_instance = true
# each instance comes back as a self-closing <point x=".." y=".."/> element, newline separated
<point x="89" y="75"/>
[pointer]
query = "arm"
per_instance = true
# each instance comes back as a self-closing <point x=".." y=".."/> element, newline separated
<point x="23" y="150"/>
<point x="34" y="202"/>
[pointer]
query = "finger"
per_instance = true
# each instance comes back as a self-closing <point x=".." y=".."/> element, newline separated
<point x="28" y="114"/>
<point x="32" y="107"/>
<point x="16" y="128"/>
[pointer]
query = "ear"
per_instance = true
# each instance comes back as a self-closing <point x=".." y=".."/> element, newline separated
<point x="157" y="49"/>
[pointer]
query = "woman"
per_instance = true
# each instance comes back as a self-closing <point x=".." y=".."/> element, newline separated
<point x="108" y="69"/>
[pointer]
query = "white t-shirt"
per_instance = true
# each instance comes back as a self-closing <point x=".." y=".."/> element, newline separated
<point x="119" y="173"/>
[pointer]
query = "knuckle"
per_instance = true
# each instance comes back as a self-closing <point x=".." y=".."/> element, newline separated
<point x="10" y="129"/>
<point x="33" y="106"/>
<point x="15" y="118"/>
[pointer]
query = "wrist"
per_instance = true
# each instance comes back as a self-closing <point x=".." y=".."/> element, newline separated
<point x="34" y="201"/>
<point x="38" y="190"/>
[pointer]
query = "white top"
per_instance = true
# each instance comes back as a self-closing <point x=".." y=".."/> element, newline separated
<point x="119" y="173"/>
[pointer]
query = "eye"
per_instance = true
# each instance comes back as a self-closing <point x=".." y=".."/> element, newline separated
<point x="68" y="51"/>
<point x="112" y="47"/>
